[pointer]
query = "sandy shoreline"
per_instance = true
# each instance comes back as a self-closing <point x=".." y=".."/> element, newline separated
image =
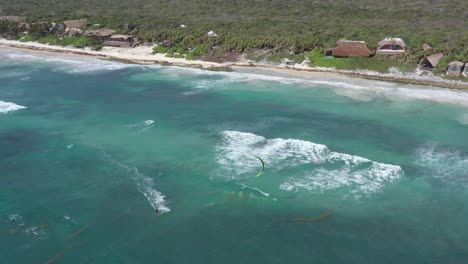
<point x="142" y="55"/>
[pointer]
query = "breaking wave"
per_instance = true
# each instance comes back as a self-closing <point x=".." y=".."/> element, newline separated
<point x="71" y="64"/>
<point x="146" y="186"/>
<point x="449" y="165"/>
<point x="322" y="169"/>
<point x="6" y="107"/>
<point x="357" y="89"/>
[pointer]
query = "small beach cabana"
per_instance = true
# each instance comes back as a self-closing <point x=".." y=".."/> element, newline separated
<point x="391" y="46"/>
<point x="121" y="41"/>
<point x="430" y="62"/>
<point x="350" y="48"/>
<point x="288" y="62"/>
<point x="455" y="68"/>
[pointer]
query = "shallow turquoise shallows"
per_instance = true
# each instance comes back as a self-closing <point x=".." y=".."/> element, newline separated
<point x="102" y="162"/>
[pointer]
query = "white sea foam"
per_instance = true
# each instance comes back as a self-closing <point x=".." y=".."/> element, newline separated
<point x="143" y="126"/>
<point x="357" y="89"/>
<point x="6" y="107"/>
<point x="37" y="232"/>
<point x="254" y="189"/>
<point x="447" y="164"/>
<point x="16" y="218"/>
<point x="324" y="169"/>
<point x="70" y="64"/>
<point x="146" y="186"/>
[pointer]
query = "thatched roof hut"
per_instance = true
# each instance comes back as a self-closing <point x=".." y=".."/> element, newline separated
<point x="76" y="24"/>
<point x="350" y="48"/>
<point x="455" y="68"/>
<point x="430" y="62"/>
<point x="12" y="19"/>
<point x="102" y="32"/>
<point x="390" y="46"/>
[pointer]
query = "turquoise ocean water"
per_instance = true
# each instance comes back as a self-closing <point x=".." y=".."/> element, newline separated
<point x="102" y="162"/>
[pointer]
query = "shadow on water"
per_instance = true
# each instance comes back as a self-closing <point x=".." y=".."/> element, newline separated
<point x="16" y="142"/>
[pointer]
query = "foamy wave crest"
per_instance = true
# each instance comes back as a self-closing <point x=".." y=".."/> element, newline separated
<point x="16" y="218"/>
<point x="357" y="89"/>
<point x="146" y="186"/>
<point x="72" y="64"/>
<point x="324" y="169"/>
<point x="6" y="107"/>
<point x="447" y="164"/>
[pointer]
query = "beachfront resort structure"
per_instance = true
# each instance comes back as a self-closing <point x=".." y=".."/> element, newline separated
<point x="350" y="48"/>
<point x="430" y="62"/>
<point x="391" y="46"/>
<point x="455" y="68"/>
<point x="102" y="34"/>
<point x="75" y="27"/>
<point x="121" y="41"/>
<point x="75" y="24"/>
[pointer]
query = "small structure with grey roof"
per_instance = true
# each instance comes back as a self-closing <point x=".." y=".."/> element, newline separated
<point x="455" y="68"/>
<point x="391" y="46"/>
<point x="350" y="48"/>
<point x="122" y="41"/>
<point x="465" y="71"/>
<point x="430" y="62"/>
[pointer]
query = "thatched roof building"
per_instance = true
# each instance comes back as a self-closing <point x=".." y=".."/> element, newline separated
<point x="430" y="62"/>
<point x="76" y="24"/>
<point x="101" y="33"/>
<point x="350" y="48"/>
<point x="13" y="19"/>
<point x="390" y="46"/>
<point x="455" y="68"/>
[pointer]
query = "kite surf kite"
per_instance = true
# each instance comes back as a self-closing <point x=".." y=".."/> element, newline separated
<point x="263" y="165"/>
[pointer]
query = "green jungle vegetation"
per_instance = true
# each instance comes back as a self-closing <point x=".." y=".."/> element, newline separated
<point x="291" y="27"/>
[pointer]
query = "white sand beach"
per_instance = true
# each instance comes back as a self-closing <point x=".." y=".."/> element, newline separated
<point x="143" y="55"/>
